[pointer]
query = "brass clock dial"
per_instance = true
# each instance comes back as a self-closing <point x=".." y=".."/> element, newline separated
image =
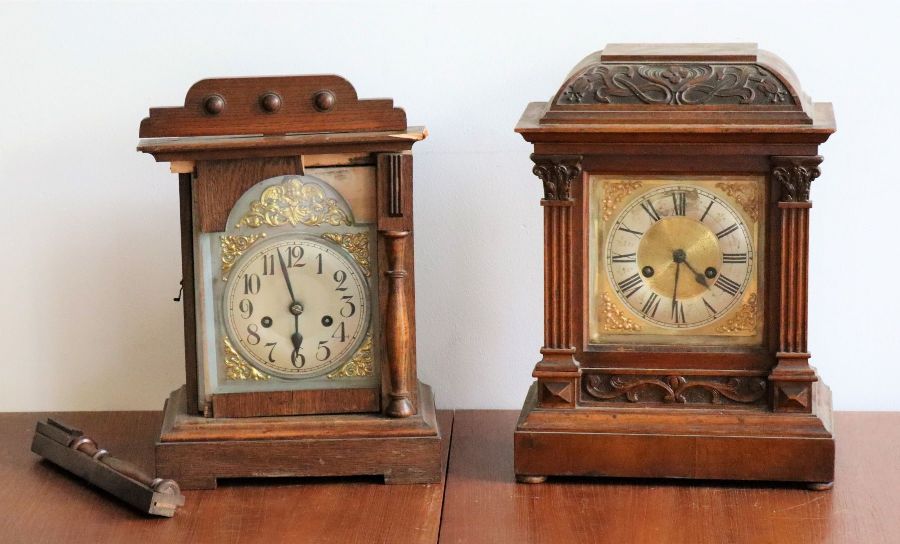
<point x="679" y="256"/>
<point x="296" y="306"/>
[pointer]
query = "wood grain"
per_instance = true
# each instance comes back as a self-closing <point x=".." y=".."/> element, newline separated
<point x="321" y="445"/>
<point x="296" y="402"/>
<point x="219" y="184"/>
<point x="484" y="504"/>
<point x="46" y="504"/>
<point x="242" y="111"/>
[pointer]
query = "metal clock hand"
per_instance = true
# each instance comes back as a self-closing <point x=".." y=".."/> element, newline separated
<point x="287" y="278"/>
<point x="296" y="309"/>
<point x="675" y="292"/>
<point x="698" y="277"/>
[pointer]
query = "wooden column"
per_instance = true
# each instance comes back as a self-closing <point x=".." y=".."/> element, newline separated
<point x="792" y="378"/>
<point x="394" y="204"/>
<point x="397" y="327"/>
<point x="557" y="372"/>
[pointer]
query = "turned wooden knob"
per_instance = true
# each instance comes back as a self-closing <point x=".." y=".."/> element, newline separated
<point x="270" y="102"/>
<point x="214" y="104"/>
<point x="324" y="100"/>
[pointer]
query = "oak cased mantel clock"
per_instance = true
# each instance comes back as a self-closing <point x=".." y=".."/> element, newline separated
<point x="676" y="208"/>
<point x="299" y="303"/>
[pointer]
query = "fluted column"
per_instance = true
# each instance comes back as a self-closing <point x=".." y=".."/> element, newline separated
<point x="792" y="377"/>
<point x="557" y="372"/>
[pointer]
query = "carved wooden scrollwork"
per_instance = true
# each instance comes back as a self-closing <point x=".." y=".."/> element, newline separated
<point x="676" y="84"/>
<point x="795" y="176"/>
<point x="557" y="173"/>
<point x="675" y="389"/>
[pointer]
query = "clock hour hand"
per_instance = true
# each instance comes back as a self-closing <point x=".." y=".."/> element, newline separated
<point x="698" y="277"/>
<point x="296" y="309"/>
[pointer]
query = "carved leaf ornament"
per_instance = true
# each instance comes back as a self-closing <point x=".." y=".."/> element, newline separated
<point x="675" y="389"/>
<point x="678" y="84"/>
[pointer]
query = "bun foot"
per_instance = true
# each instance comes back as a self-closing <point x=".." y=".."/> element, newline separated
<point x="524" y="479"/>
<point x="820" y="486"/>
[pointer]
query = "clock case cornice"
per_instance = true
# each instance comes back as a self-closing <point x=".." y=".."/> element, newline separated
<point x="736" y="134"/>
<point x="742" y="115"/>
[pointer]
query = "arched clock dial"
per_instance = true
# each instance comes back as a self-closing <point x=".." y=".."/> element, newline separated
<point x="679" y="257"/>
<point x="296" y="306"/>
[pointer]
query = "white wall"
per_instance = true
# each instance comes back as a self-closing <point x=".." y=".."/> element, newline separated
<point x="90" y="246"/>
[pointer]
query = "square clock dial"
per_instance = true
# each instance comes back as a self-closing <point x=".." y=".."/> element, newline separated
<point x="676" y="259"/>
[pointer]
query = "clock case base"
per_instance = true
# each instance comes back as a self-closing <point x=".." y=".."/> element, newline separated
<point x="635" y="442"/>
<point x="197" y="451"/>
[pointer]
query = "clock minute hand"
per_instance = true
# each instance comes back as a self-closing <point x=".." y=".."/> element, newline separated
<point x="287" y="278"/>
<point x="675" y="291"/>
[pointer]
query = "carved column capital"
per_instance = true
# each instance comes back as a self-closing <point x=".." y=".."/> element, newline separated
<point x="557" y="173"/>
<point x="795" y="175"/>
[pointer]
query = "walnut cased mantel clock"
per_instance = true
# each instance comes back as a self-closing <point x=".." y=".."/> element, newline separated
<point x="676" y="206"/>
<point x="296" y="219"/>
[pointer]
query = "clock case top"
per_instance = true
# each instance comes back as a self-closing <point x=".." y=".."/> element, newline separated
<point x="660" y="110"/>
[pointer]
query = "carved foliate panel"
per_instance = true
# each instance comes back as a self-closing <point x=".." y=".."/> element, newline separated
<point x="685" y="84"/>
<point x="673" y="389"/>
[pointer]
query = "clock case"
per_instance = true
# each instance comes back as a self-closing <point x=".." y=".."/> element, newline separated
<point x="662" y="110"/>
<point x="229" y="135"/>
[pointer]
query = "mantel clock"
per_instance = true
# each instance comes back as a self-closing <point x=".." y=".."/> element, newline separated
<point x="676" y="206"/>
<point x="296" y="222"/>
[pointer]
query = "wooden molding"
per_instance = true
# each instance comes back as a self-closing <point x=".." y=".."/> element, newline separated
<point x="272" y="106"/>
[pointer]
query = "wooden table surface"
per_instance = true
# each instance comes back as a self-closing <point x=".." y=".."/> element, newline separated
<point x="479" y="501"/>
<point x="482" y="502"/>
<point x="42" y="503"/>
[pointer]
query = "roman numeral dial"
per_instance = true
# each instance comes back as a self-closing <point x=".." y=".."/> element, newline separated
<point x="679" y="256"/>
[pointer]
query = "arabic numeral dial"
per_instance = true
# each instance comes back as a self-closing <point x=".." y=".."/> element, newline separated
<point x="296" y="306"/>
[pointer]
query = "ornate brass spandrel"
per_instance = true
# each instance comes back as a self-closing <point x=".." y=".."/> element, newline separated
<point x="746" y="195"/>
<point x="614" y="192"/>
<point x="357" y="244"/>
<point x="361" y="365"/>
<point x="233" y="246"/>
<point x="613" y="318"/>
<point x="745" y="320"/>
<point x="236" y="369"/>
<point x="293" y="202"/>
